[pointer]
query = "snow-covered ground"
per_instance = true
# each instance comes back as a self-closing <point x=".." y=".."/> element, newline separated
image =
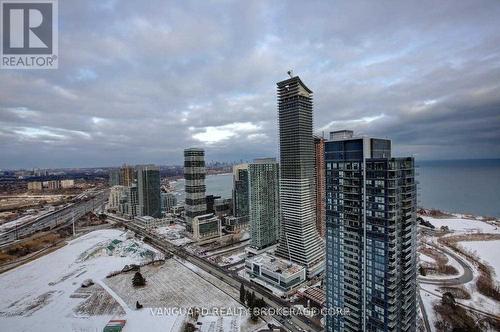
<point x="452" y="262"/>
<point x="487" y="251"/>
<point x="477" y="300"/>
<point x="425" y="258"/>
<point x="462" y="225"/>
<point x="429" y="301"/>
<point x="174" y="234"/>
<point x="171" y="285"/>
<point x="231" y="259"/>
<point x="45" y="294"/>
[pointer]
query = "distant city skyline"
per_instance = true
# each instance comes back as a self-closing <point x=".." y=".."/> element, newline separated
<point x="168" y="76"/>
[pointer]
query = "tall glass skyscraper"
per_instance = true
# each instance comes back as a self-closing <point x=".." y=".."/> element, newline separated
<point x="371" y="235"/>
<point x="148" y="191"/>
<point x="240" y="191"/>
<point x="299" y="240"/>
<point x="194" y="174"/>
<point x="264" y="202"/>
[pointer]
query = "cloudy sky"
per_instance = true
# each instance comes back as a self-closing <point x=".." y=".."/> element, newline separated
<point x="139" y="81"/>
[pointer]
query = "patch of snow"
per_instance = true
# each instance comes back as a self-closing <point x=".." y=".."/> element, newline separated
<point x="487" y="251"/>
<point x="429" y="301"/>
<point x="463" y="225"/>
<point x="425" y="258"/>
<point x="49" y="281"/>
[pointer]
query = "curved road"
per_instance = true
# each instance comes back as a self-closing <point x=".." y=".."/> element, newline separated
<point x="467" y="276"/>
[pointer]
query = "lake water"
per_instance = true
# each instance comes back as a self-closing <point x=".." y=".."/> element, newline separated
<point x="218" y="185"/>
<point x="463" y="186"/>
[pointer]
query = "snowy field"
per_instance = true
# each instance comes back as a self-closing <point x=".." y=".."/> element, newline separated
<point x="175" y="234"/>
<point x="425" y="258"/>
<point x="170" y="285"/>
<point x="462" y="225"/>
<point x="45" y="294"/>
<point x="488" y="251"/>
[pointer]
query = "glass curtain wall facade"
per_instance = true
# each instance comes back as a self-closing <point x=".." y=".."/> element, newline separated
<point x="148" y="191"/>
<point x="194" y="175"/>
<point x="240" y="191"/>
<point x="371" y="236"/>
<point x="299" y="240"/>
<point x="264" y="202"/>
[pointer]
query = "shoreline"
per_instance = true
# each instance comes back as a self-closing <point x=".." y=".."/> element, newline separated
<point x="440" y="214"/>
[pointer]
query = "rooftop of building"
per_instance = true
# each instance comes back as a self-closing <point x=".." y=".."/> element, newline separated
<point x="194" y="150"/>
<point x="293" y="80"/>
<point x="148" y="167"/>
<point x="264" y="161"/>
<point x="345" y="135"/>
<point x="206" y="217"/>
<point x="276" y="264"/>
<point x="145" y="218"/>
<point x="315" y="294"/>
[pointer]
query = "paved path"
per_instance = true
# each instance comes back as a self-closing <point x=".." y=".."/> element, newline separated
<point x="466" y="277"/>
<point x="424" y="314"/>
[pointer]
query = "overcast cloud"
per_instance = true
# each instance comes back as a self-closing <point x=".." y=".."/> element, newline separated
<point x="139" y="81"/>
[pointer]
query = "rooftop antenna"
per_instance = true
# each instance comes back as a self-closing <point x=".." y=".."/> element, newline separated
<point x="290" y="73"/>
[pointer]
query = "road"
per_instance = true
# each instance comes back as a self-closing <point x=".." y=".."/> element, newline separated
<point x="56" y="219"/>
<point x="481" y="312"/>
<point x="424" y="314"/>
<point x="466" y="277"/>
<point x="292" y="323"/>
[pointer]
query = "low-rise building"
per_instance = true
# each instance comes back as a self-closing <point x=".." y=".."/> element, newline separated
<point x="206" y="227"/>
<point x="233" y="224"/>
<point x="35" y="186"/>
<point x="168" y="201"/>
<point x="315" y="295"/>
<point x="67" y="183"/>
<point x="116" y="196"/>
<point x="278" y="272"/>
<point x="54" y="185"/>
<point x="223" y="207"/>
<point x="150" y="222"/>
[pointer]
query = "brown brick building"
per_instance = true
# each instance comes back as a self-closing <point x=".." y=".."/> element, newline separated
<point x="319" y="155"/>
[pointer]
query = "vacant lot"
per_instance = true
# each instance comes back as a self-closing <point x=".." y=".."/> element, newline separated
<point x="170" y="285"/>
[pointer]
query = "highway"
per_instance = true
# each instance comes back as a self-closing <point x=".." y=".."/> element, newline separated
<point x="292" y="323"/>
<point x="56" y="219"/>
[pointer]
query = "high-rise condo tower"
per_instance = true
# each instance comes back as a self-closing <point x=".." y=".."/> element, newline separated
<point x="299" y="240"/>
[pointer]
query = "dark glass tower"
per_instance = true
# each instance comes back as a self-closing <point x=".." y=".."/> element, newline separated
<point x="148" y="191"/>
<point x="194" y="174"/>
<point x="299" y="240"/>
<point x="371" y="235"/>
<point x="240" y="191"/>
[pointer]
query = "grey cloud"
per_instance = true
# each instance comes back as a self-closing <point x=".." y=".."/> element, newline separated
<point x="138" y="82"/>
